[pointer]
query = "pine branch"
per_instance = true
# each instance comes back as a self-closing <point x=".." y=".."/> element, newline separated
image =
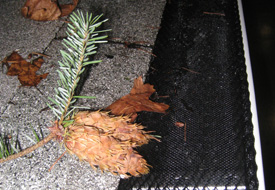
<point x="80" y="44"/>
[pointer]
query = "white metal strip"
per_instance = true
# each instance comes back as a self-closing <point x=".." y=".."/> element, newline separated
<point x="259" y="162"/>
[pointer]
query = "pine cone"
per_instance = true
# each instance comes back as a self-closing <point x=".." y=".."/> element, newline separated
<point x="107" y="142"/>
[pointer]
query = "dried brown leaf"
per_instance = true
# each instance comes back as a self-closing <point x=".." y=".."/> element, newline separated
<point x="44" y="10"/>
<point x="25" y="70"/>
<point x="179" y="124"/>
<point x="68" y="8"/>
<point x="137" y="101"/>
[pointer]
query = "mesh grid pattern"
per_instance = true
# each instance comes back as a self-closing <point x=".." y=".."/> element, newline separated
<point x="200" y="72"/>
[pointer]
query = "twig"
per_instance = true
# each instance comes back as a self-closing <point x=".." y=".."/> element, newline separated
<point x="57" y="160"/>
<point x="210" y="13"/>
<point x="190" y="70"/>
<point x="45" y="109"/>
<point x="167" y="96"/>
<point x="29" y="150"/>
<point x="135" y="45"/>
<point x="185" y="132"/>
<point x="39" y="91"/>
<point x="146" y="52"/>
<point x="36" y="53"/>
<point x="153" y="27"/>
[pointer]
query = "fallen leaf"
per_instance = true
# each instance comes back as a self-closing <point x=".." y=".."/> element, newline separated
<point x="179" y="124"/>
<point x="25" y="70"/>
<point x="68" y="8"/>
<point x="44" y="10"/>
<point x="137" y="101"/>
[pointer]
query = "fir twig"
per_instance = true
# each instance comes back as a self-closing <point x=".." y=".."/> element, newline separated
<point x="80" y="44"/>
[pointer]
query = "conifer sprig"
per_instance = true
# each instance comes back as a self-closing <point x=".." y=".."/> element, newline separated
<point x="80" y="43"/>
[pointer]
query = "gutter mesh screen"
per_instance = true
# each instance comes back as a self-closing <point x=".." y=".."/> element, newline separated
<point x="200" y="72"/>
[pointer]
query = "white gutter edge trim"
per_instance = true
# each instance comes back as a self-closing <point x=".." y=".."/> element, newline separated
<point x="259" y="161"/>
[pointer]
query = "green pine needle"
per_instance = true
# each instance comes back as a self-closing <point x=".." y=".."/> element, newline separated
<point x="86" y="97"/>
<point x="7" y="146"/>
<point x="80" y="43"/>
<point x="35" y="134"/>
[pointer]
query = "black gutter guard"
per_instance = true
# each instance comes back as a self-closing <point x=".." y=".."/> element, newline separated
<point x="200" y="72"/>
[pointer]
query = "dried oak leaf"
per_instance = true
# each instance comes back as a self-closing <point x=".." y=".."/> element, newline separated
<point x="44" y="10"/>
<point x="137" y="100"/>
<point x="25" y="70"/>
